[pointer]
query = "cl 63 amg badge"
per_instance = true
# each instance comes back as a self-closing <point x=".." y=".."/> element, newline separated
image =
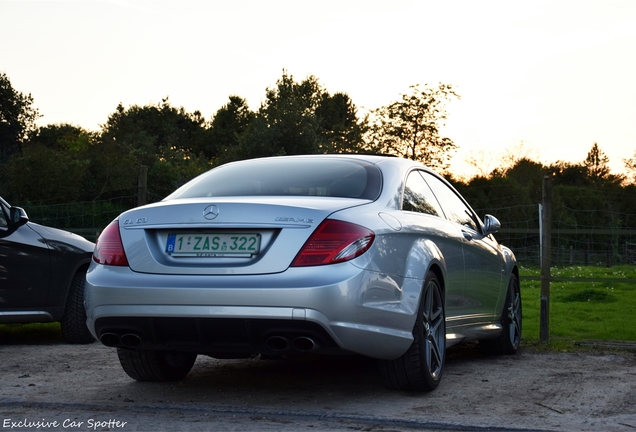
<point x="289" y="219"/>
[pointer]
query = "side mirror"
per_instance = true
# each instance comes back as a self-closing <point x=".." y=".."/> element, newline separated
<point x="491" y="224"/>
<point x="18" y="216"/>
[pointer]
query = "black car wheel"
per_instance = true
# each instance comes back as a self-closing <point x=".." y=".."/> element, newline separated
<point x="73" y="321"/>
<point x="421" y="367"/>
<point x="154" y="365"/>
<point x="510" y="337"/>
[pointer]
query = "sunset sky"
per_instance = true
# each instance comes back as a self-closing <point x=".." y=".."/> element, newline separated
<point x="555" y="75"/>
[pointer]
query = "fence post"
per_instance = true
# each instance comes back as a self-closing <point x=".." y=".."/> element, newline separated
<point x="142" y="191"/>
<point x="546" y="256"/>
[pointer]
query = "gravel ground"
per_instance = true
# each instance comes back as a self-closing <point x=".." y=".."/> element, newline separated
<point x="53" y="386"/>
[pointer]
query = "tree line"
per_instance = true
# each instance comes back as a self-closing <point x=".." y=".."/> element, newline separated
<point x="64" y="163"/>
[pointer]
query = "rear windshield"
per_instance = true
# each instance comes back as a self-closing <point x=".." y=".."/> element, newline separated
<point x="329" y="177"/>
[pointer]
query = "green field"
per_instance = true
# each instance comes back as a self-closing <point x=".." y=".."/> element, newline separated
<point x="582" y="309"/>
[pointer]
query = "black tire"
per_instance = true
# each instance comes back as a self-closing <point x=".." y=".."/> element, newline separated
<point x="510" y="337"/>
<point x="421" y="366"/>
<point x="154" y="365"/>
<point x="73" y="321"/>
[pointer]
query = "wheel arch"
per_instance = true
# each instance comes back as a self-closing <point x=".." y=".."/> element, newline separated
<point x="80" y="266"/>
<point x="73" y="319"/>
<point x="510" y="262"/>
<point x="437" y="270"/>
<point x="515" y="271"/>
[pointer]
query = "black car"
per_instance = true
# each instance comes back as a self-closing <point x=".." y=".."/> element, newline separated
<point x="42" y="274"/>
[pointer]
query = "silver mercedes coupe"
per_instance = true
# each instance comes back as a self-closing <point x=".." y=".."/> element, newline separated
<point x="326" y="254"/>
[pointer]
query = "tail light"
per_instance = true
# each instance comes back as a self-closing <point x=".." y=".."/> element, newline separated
<point x="333" y="242"/>
<point x="109" y="249"/>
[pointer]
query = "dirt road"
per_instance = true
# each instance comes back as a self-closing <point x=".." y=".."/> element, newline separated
<point x="76" y="388"/>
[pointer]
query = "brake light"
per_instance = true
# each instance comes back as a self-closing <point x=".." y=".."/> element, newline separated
<point x="109" y="249"/>
<point x="333" y="242"/>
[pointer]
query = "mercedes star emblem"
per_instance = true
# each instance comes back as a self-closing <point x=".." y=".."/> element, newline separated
<point x="211" y="212"/>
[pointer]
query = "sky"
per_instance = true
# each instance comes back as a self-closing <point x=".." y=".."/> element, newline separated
<point x="545" y="79"/>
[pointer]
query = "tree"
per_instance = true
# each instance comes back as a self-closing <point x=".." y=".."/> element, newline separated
<point x="166" y="139"/>
<point x="302" y="118"/>
<point x="570" y="174"/>
<point x="17" y="118"/>
<point x="528" y="174"/>
<point x="45" y="175"/>
<point x="340" y="130"/>
<point x="61" y="136"/>
<point x="114" y="169"/>
<point x="596" y="163"/>
<point x="597" y="168"/>
<point x="52" y="166"/>
<point x="489" y="163"/>
<point x="410" y="127"/>
<point x="228" y="124"/>
<point x="286" y="122"/>
<point x="484" y="161"/>
<point x="155" y="130"/>
<point x="630" y="165"/>
<point x="593" y="171"/>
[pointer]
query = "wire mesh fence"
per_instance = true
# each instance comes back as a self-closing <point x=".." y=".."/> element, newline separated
<point x="589" y="243"/>
<point x="572" y="243"/>
<point x="86" y="218"/>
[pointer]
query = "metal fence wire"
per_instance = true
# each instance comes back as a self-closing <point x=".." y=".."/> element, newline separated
<point x="573" y="242"/>
<point x="577" y="237"/>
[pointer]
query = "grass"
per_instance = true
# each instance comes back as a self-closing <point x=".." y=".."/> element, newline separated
<point x="30" y="333"/>
<point x="600" y="309"/>
<point x="590" y="272"/>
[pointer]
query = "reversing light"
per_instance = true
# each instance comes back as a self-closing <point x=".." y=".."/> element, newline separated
<point x="109" y="249"/>
<point x="334" y="241"/>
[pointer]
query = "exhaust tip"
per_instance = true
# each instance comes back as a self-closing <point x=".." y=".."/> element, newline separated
<point x="130" y="340"/>
<point x="303" y="343"/>
<point x="277" y="343"/>
<point x="109" y="339"/>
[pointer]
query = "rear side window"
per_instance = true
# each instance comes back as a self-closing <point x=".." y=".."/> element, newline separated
<point x="418" y="197"/>
<point x="329" y="177"/>
<point x="453" y="206"/>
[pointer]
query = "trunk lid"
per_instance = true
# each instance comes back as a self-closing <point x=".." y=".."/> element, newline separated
<point x="224" y="236"/>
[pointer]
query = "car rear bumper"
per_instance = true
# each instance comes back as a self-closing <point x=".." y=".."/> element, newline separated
<point x="319" y="309"/>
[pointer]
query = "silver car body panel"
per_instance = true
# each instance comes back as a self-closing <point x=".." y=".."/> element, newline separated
<point x="367" y="305"/>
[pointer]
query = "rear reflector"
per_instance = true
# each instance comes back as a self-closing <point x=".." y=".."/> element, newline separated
<point x="334" y="241"/>
<point x="109" y="249"/>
